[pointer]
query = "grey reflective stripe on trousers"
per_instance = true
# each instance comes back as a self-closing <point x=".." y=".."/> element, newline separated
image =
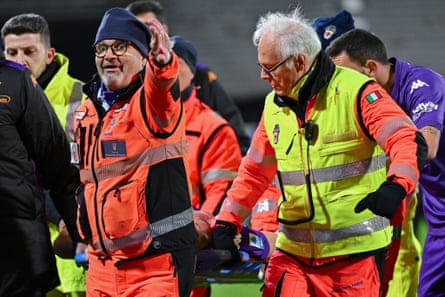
<point x="324" y="236"/>
<point x="154" y="230"/>
<point x="337" y="172"/>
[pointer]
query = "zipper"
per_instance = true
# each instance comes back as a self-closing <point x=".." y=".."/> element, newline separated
<point x="96" y="211"/>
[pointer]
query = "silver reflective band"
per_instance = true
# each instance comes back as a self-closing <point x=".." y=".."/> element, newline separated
<point x="134" y="237"/>
<point x="323" y="236"/>
<point x="147" y="157"/>
<point x="154" y="230"/>
<point x="335" y="172"/>
<point x="264" y="205"/>
<point x="171" y="223"/>
<point x="216" y="174"/>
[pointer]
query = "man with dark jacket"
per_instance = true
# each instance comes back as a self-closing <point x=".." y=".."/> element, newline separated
<point x="34" y="155"/>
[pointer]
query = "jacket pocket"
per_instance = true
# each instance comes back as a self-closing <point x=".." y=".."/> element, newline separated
<point x="337" y="146"/>
<point x="124" y="209"/>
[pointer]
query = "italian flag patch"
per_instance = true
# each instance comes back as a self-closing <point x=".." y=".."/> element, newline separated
<point x="373" y="97"/>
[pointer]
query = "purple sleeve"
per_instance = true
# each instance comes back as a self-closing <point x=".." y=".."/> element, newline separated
<point x="427" y="99"/>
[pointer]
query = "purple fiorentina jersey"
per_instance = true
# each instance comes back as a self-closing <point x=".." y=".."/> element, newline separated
<point x="421" y="94"/>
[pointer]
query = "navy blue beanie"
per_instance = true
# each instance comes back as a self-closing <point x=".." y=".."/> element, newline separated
<point x="185" y="50"/>
<point x="329" y="28"/>
<point x="119" y="23"/>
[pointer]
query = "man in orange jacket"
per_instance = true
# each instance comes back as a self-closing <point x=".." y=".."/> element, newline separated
<point x="135" y="208"/>
<point x="214" y="151"/>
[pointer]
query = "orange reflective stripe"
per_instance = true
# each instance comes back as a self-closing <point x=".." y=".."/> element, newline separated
<point x="231" y="205"/>
<point x="402" y="169"/>
<point x="391" y="127"/>
<point x="146" y="157"/>
<point x="259" y="158"/>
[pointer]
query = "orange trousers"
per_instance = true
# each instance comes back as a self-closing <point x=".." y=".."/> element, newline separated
<point x="152" y="276"/>
<point x="286" y="277"/>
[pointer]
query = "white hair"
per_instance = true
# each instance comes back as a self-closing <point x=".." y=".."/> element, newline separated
<point x="294" y="31"/>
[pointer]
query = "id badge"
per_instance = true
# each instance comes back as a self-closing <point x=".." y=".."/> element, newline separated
<point x="74" y="148"/>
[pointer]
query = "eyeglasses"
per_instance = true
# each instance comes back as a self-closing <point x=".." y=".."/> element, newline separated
<point x="269" y="71"/>
<point x="118" y="48"/>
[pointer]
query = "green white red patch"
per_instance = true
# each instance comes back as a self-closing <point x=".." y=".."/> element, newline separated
<point x="373" y="97"/>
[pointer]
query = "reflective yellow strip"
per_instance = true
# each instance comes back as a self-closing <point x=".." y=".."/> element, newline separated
<point x="324" y="236"/>
<point x="337" y="172"/>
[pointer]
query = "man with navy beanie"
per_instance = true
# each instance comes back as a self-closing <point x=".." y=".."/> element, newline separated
<point x="135" y="210"/>
<point x="117" y="23"/>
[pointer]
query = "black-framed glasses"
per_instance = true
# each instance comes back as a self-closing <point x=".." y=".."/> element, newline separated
<point x="118" y="48"/>
<point x="269" y="71"/>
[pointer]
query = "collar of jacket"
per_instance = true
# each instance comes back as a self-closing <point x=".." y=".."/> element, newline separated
<point x="317" y="79"/>
<point x="48" y="74"/>
<point x="91" y="88"/>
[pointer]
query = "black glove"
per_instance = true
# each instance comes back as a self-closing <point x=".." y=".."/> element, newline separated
<point x="223" y="239"/>
<point x="385" y="201"/>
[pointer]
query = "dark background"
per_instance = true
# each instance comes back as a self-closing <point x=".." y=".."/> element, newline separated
<point x="222" y="32"/>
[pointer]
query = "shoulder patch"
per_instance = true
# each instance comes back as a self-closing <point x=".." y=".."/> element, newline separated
<point x="373" y="97"/>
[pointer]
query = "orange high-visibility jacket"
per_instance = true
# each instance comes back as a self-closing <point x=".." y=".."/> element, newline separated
<point x="136" y="197"/>
<point x="214" y="154"/>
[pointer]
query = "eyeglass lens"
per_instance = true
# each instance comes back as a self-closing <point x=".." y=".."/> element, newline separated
<point x="269" y="71"/>
<point x="118" y="49"/>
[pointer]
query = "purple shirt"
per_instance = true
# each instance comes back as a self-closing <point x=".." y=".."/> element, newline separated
<point x="421" y="94"/>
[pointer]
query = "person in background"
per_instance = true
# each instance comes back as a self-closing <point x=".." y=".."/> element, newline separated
<point x="337" y="194"/>
<point x="214" y="153"/>
<point x="135" y="210"/>
<point x="208" y="88"/>
<point x="421" y="93"/>
<point x="27" y="41"/>
<point x="35" y="153"/>
<point x="329" y="28"/>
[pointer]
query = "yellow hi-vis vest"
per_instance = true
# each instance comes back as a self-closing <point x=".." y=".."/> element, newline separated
<point x="65" y="94"/>
<point x="345" y="166"/>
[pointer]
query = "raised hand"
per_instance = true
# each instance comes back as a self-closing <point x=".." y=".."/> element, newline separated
<point x="160" y="43"/>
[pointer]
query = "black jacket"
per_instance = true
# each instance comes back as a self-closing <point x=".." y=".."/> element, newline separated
<point x="34" y="154"/>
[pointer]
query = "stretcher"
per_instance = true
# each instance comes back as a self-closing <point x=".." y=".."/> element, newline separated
<point x="211" y="267"/>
